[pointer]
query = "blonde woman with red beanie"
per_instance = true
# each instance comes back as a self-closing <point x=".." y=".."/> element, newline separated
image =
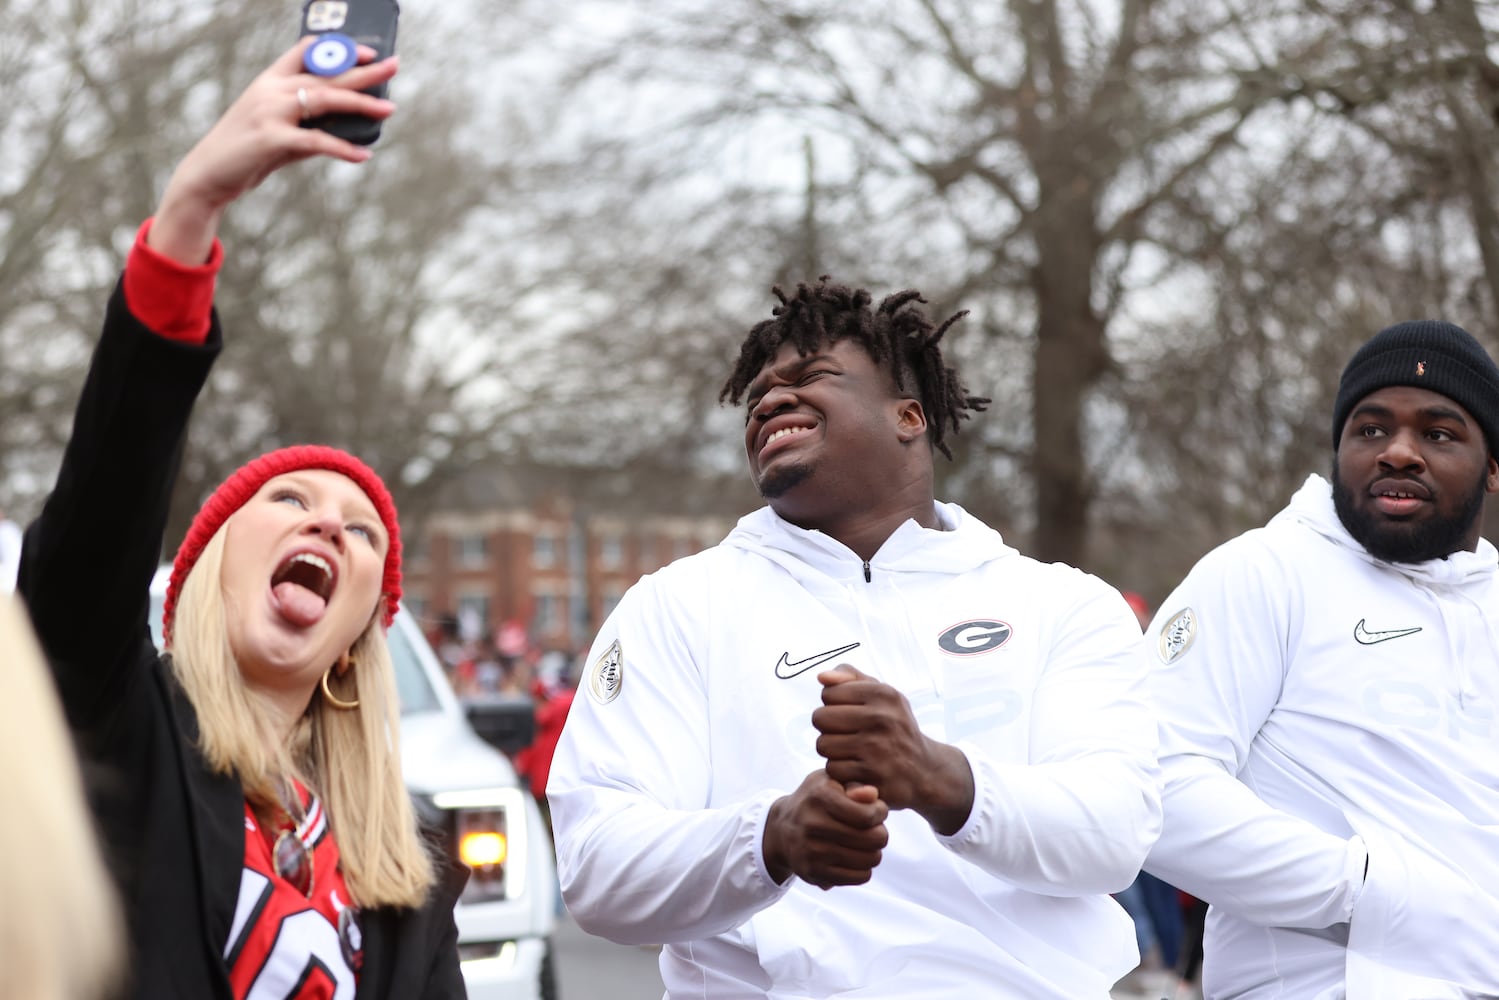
<point x="250" y="801"/>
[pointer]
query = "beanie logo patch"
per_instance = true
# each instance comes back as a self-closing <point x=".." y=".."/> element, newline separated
<point x="1420" y="368"/>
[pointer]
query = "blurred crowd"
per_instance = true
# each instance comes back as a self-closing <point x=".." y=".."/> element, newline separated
<point x="504" y="662"/>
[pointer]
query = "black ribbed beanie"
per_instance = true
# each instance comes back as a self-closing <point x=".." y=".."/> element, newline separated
<point x="1427" y="354"/>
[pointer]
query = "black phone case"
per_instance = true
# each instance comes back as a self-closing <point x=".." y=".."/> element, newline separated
<point x="368" y="22"/>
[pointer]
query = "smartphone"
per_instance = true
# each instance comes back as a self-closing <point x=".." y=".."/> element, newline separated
<point x="367" y="22"/>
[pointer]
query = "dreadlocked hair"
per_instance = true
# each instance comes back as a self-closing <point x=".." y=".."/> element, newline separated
<point x="896" y="334"/>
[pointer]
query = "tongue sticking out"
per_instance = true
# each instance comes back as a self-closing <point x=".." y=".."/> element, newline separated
<point x="298" y="605"/>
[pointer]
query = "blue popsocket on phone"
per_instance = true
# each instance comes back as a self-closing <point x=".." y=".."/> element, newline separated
<point x="331" y="54"/>
<point x="333" y="26"/>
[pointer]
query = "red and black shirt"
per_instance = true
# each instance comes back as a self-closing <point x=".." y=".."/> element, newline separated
<point x="285" y="944"/>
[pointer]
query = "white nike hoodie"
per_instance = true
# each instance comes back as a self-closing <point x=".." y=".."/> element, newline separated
<point x="1320" y="708"/>
<point x="697" y="716"/>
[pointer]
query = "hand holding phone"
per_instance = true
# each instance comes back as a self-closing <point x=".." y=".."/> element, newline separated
<point x="257" y="135"/>
<point x="364" y="22"/>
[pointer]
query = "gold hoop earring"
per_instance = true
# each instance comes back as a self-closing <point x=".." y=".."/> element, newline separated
<point x="342" y="706"/>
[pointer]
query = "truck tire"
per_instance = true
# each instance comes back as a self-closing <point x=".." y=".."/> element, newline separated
<point x="547" y="984"/>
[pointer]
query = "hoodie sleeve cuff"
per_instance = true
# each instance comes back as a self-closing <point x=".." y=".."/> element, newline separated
<point x="976" y="826"/>
<point x="759" y="813"/>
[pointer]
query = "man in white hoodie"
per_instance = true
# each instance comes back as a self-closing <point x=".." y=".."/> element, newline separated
<point x="1327" y="689"/>
<point x="861" y="748"/>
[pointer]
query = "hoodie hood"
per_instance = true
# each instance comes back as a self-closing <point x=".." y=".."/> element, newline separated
<point x="1312" y="507"/>
<point x="963" y="544"/>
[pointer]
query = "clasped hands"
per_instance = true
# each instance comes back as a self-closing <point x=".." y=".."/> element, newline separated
<point x="831" y="830"/>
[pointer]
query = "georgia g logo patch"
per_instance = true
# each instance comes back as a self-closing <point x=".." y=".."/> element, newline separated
<point x="1177" y="634"/>
<point x="973" y="637"/>
<point x="608" y="675"/>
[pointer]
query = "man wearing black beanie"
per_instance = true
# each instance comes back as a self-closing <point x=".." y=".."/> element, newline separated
<point x="1327" y="687"/>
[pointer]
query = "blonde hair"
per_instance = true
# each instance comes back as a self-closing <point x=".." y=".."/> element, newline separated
<point x="60" y="931"/>
<point x="351" y="758"/>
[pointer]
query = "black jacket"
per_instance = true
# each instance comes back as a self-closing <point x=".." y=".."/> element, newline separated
<point x="173" y="832"/>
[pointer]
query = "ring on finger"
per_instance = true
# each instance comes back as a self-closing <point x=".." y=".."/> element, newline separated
<point x="302" y="103"/>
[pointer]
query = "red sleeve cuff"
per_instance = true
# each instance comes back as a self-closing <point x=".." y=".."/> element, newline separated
<point x="168" y="297"/>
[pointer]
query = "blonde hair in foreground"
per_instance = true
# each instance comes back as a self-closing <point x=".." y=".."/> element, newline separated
<point x="351" y="758"/>
<point x="60" y="936"/>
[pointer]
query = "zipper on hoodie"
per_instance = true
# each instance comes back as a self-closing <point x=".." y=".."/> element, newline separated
<point x="867" y="577"/>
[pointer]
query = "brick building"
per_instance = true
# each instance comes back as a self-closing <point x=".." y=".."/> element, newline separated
<point x="533" y="548"/>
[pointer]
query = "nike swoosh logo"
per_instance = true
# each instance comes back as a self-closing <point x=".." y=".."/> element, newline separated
<point x="1368" y="638"/>
<point x="786" y="670"/>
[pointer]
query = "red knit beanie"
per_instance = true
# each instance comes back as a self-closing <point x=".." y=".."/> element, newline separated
<point x="248" y="480"/>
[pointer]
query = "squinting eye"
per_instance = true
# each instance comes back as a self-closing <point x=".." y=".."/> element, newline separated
<point x="359" y="529"/>
<point x="287" y="496"/>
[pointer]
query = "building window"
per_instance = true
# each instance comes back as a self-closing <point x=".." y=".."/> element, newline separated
<point x="470" y="550"/>
<point x="551" y="613"/>
<point x="416" y="605"/>
<point x="609" y="600"/>
<point x="544" y="550"/>
<point x="611" y="552"/>
<point x="414" y="548"/>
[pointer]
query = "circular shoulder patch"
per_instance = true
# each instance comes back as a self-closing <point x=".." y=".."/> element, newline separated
<point x="1177" y="634"/>
<point x="607" y="675"/>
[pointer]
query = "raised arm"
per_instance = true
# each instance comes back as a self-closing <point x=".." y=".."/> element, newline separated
<point x="88" y="560"/>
